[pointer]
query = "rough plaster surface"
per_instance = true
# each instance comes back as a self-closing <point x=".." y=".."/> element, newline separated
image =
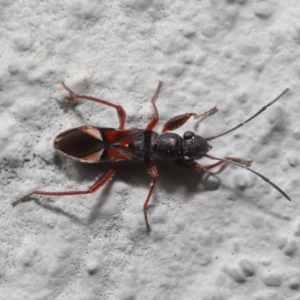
<point x="239" y="240"/>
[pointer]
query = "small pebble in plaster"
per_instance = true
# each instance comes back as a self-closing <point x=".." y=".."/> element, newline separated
<point x="209" y="29"/>
<point x="25" y="107"/>
<point x="272" y="279"/>
<point x="176" y="70"/>
<point x="205" y="259"/>
<point x="248" y="47"/>
<point x="228" y="52"/>
<point x="86" y="9"/>
<point x="29" y="256"/>
<point x="296" y="34"/>
<point x="259" y="63"/>
<point x="265" y="261"/>
<point x="22" y="43"/>
<point x="257" y="222"/>
<point x="229" y="16"/>
<point x="241" y="181"/>
<point x="189" y="31"/>
<point x="64" y="252"/>
<point x="128" y="293"/>
<point x="281" y="241"/>
<point x="7" y="128"/>
<point x="242" y="97"/>
<point x="297" y="230"/>
<point x="285" y="167"/>
<point x="247" y="267"/>
<point x="174" y="44"/>
<point x="263" y="9"/>
<point x="50" y="221"/>
<point x="235" y="273"/>
<point x="294" y="283"/>
<point x="93" y="266"/>
<point x="199" y="59"/>
<point x="290" y="247"/>
<point x="140" y="5"/>
<point x="275" y="117"/>
<point x="187" y="58"/>
<point x="13" y="68"/>
<point x="296" y="132"/>
<point x="262" y="294"/>
<point x="292" y="160"/>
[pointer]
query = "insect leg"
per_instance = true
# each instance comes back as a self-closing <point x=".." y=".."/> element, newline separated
<point x="198" y="167"/>
<point x="244" y="162"/>
<point x="154" y="175"/>
<point x="120" y="110"/>
<point x="223" y="164"/>
<point x="251" y="170"/>
<point x="179" y="120"/>
<point x="155" y="119"/>
<point x="99" y="182"/>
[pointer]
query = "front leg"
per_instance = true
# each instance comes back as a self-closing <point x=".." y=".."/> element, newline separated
<point x="223" y="165"/>
<point x="194" y="165"/>
<point x="179" y="120"/>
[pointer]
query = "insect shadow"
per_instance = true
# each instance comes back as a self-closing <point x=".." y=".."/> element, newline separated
<point x="172" y="178"/>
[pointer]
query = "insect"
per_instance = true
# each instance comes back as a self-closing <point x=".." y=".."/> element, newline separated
<point x="90" y="144"/>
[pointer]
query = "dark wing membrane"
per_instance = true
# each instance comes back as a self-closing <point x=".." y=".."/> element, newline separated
<point x="78" y="143"/>
<point x="94" y="144"/>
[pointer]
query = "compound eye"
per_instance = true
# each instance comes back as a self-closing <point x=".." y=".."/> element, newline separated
<point x="188" y="135"/>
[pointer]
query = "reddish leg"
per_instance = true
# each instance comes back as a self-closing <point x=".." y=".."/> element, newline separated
<point x="244" y="162"/>
<point x="154" y="175"/>
<point x="179" y="120"/>
<point x="121" y="112"/>
<point x="100" y="182"/>
<point x="234" y="162"/>
<point x="195" y="166"/>
<point x="198" y="167"/>
<point x="155" y="119"/>
<point x="223" y="165"/>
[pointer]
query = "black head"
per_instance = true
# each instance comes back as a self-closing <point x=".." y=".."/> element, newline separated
<point x="194" y="146"/>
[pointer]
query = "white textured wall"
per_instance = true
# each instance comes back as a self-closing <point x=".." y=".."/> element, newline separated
<point x="240" y="241"/>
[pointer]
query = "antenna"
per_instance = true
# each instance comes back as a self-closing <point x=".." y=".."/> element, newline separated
<point x="251" y="118"/>
<point x="256" y="173"/>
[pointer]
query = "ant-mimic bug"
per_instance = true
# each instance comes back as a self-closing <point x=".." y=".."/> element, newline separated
<point x="90" y="144"/>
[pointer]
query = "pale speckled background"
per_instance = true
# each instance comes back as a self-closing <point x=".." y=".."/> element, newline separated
<point x="239" y="241"/>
